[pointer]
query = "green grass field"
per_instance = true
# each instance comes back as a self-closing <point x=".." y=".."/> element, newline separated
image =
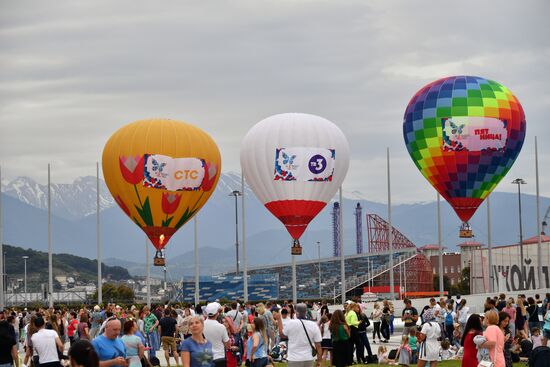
<point x="439" y="364"/>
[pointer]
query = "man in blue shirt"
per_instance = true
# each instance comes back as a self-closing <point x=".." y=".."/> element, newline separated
<point x="109" y="347"/>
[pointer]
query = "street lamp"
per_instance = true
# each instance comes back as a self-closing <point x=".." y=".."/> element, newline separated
<point x="236" y="194"/>
<point x="519" y="182"/>
<point x="25" y="260"/>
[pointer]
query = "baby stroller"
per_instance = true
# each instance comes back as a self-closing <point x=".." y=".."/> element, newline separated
<point x="279" y="352"/>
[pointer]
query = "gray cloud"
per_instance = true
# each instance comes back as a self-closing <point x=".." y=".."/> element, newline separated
<point x="71" y="73"/>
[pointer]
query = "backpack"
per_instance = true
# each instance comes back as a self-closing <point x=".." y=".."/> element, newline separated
<point x="449" y="319"/>
<point x="154" y="361"/>
<point x="539" y="357"/>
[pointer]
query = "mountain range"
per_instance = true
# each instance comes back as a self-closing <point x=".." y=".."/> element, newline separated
<point x="74" y="226"/>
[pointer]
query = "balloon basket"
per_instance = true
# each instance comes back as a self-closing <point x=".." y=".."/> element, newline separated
<point x="465" y="231"/>
<point x="296" y="249"/>
<point x="159" y="259"/>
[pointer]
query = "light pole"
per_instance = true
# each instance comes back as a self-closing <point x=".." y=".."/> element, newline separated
<point x="25" y="260"/>
<point x="519" y="182"/>
<point x="5" y="272"/>
<point x="319" y="255"/>
<point x="236" y="194"/>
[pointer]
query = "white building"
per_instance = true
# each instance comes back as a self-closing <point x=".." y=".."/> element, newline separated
<point x="508" y="275"/>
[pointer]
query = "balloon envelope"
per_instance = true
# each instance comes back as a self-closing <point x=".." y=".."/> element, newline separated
<point x="464" y="133"/>
<point x="161" y="172"/>
<point x="295" y="163"/>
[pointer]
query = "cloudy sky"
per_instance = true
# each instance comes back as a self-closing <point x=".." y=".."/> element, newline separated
<point x="73" y="72"/>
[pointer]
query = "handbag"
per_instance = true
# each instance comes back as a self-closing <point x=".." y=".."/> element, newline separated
<point x="313" y="349"/>
<point x="488" y="363"/>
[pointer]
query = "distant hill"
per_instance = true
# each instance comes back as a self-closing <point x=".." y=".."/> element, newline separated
<point x="83" y="270"/>
<point x="25" y="225"/>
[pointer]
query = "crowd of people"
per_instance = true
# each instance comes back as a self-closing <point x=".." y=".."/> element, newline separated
<point x="257" y="335"/>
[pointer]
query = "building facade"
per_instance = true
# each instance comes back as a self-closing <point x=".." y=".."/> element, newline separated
<point x="452" y="262"/>
<point x="509" y="273"/>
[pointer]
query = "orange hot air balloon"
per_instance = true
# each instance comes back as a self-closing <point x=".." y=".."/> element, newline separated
<point x="161" y="172"/>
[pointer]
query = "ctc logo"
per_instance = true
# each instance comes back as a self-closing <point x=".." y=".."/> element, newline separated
<point x="186" y="174"/>
<point x="317" y="164"/>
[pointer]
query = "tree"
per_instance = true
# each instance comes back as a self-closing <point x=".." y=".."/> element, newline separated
<point x="116" y="293"/>
<point x="446" y="283"/>
<point x="463" y="286"/>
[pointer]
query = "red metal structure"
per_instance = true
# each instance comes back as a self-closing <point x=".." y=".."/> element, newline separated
<point x="378" y="235"/>
<point x="417" y="269"/>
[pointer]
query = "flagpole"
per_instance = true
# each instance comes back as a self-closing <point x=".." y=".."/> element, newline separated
<point x="50" y="245"/>
<point x="2" y="299"/>
<point x="490" y="244"/>
<point x="342" y="256"/>
<point x="245" y="261"/>
<point x="294" y="290"/>
<point x="539" y="230"/>
<point x="197" y="270"/>
<point x="99" y="276"/>
<point x="440" y="245"/>
<point x="148" y="273"/>
<point x="390" y="228"/>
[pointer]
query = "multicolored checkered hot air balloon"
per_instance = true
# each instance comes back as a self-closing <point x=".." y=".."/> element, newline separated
<point x="464" y="133"/>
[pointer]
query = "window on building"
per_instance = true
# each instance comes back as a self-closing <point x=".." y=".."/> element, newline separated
<point x="434" y="270"/>
<point x="452" y="281"/>
<point x="445" y="271"/>
<point x="452" y="269"/>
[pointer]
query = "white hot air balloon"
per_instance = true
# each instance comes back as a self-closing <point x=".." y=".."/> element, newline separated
<point x="295" y="163"/>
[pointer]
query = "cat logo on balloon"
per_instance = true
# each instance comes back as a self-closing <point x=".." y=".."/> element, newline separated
<point x="304" y="164"/>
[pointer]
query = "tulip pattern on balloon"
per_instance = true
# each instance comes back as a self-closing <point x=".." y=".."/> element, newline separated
<point x="161" y="173"/>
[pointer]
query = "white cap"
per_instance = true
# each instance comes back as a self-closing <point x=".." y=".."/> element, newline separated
<point x="212" y="308"/>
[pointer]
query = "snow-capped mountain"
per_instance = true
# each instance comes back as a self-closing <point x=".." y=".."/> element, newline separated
<point x="76" y="200"/>
<point x="70" y="201"/>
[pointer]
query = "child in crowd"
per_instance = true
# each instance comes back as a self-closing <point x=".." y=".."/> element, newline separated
<point x="536" y="339"/>
<point x="457" y="335"/>
<point x="384" y="356"/>
<point x="413" y="344"/>
<point x="515" y="349"/>
<point x="482" y="353"/>
<point x="404" y="352"/>
<point x="446" y="352"/>
<point x="525" y="343"/>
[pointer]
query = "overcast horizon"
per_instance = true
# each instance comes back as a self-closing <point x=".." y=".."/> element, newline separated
<point x="72" y="73"/>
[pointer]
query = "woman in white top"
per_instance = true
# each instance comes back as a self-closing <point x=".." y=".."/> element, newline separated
<point x="376" y="315"/>
<point x="463" y="312"/>
<point x="326" y="341"/>
<point x="428" y="350"/>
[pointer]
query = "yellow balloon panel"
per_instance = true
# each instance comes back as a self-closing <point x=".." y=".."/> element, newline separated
<point x="161" y="172"/>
